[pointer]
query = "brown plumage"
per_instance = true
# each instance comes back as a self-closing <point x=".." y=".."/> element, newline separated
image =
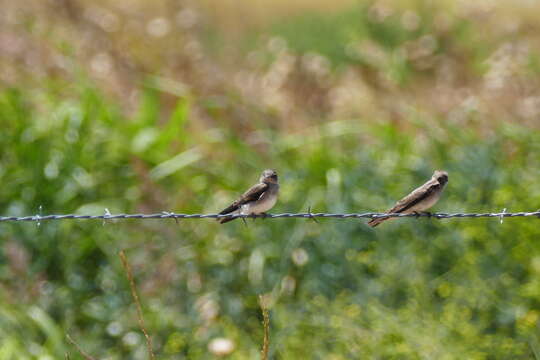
<point x="258" y="199"/>
<point x="252" y="194"/>
<point x="420" y="199"/>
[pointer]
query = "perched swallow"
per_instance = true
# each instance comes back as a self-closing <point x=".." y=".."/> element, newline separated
<point x="257" y="200"/>
<point x="420" y="199"/>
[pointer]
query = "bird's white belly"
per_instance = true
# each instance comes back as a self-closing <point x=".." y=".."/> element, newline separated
<point x="259" y="206"/>
<point x="425" y="204"/>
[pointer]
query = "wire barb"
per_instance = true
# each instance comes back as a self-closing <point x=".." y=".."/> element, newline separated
<point x="37" y="217"/>
<point x="106" y="216"/>
<point x="310" y="215"/>
<point x="170" y="214"/>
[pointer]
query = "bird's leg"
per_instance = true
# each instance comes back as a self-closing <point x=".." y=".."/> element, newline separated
<point x="422" y="213"/>
<point x="263" y="215"/>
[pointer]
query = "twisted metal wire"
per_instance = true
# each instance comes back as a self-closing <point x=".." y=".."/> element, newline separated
<point x="309" y="215"/>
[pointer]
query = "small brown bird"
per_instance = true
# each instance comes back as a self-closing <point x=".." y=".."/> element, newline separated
<point x="420" y="199"/>
<point x="257" y="200"/>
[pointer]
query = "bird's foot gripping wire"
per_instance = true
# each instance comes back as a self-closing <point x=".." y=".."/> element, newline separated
<point x="417" y="214"/>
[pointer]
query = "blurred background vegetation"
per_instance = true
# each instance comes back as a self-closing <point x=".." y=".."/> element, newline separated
<point x="178" y="105"/>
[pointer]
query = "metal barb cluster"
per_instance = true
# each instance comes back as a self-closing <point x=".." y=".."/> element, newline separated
<point x="308" y="215"/>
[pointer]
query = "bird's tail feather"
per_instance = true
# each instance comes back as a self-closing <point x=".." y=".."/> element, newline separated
<point x="377" y="221"/>
<point x="226" y="219"/>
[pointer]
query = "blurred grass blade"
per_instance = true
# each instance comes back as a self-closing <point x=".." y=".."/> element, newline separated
<point x="178" y="162"/>
<point x="173" y="130"/>
<point x="48" y="327"/>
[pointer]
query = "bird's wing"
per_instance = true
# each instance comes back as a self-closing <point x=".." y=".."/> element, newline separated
<point x="252" y="194"/>
<point x="415" y="197"/>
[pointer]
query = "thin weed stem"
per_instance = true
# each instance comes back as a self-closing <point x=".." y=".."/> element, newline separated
<point x="266" y="326"/>
<point x="129" y="275"/>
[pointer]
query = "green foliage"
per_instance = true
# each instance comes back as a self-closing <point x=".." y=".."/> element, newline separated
<point x="413" y="288"/>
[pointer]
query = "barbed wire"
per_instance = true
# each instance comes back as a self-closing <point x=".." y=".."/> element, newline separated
<point x="308" y="215"/>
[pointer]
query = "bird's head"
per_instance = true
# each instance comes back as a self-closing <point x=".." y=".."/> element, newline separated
<point x="269" y="177"/>
<point x="441" y="176"/>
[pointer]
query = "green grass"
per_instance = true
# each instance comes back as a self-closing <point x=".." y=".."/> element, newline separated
<point x="413" y="288"/>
